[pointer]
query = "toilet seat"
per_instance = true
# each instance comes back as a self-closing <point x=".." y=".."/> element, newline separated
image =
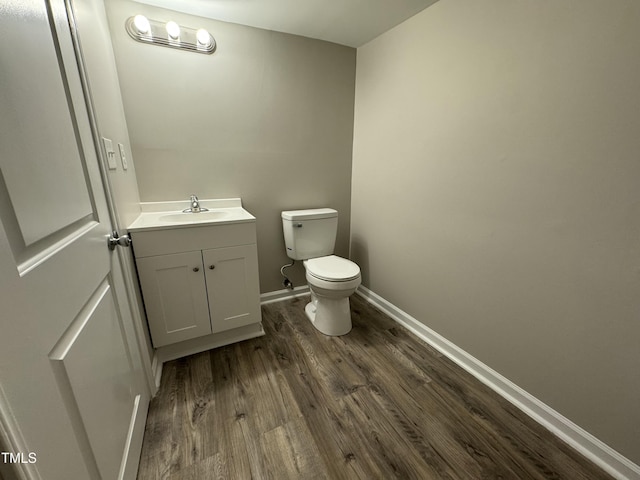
<point x="332" y="269"/>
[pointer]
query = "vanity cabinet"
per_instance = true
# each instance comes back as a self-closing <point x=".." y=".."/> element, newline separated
<point x="199" y="280"/>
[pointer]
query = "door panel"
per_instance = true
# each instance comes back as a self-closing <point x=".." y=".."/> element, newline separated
<point x="88" y="387"/>
<point x="54" y="145"/>
<point x="232" y="286"/>
<point x="175" y="297"/>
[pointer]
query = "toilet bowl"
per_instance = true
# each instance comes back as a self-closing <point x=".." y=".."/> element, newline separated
<point x="332" y="280"/>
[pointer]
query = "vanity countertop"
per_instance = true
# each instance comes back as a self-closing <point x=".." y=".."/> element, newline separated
<point x="169" y="215"/>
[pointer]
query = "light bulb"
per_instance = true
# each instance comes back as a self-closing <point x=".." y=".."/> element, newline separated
<point x="203" y="37"/>
<point x="173" y="29"/>
<point x="142" y="24"/>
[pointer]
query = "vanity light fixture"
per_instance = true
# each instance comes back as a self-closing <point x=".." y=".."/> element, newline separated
<point x="170" y="34"/>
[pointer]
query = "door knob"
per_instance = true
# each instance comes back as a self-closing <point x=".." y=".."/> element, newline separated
<point x="196" y="269"/>
<point x="116" y="240"/>
<point x="211" y="267"/>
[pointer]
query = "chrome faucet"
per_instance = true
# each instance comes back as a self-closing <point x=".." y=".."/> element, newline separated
<point x="195" y="206"/>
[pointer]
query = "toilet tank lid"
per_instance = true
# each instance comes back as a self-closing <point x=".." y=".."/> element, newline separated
<point x="311" y="214"/>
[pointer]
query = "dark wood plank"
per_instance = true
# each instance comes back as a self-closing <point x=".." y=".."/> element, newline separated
<point x="158" y="451"/>
<point x="376" y="403"/>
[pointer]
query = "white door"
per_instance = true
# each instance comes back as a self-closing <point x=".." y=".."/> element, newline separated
<point x="72" y="396"/>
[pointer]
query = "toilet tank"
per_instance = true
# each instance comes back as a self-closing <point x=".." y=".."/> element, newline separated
<point x="310" y="233"/>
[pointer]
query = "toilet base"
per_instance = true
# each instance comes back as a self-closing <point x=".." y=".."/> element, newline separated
<point x="331" y="316"/>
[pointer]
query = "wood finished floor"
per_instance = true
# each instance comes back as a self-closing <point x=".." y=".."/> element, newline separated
<point x="375" y="404"/>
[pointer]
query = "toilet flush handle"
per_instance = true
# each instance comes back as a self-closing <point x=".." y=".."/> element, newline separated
<point x="298" y="225"/>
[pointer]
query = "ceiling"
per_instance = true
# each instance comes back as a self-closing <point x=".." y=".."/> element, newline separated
<point x="347" y="22"/>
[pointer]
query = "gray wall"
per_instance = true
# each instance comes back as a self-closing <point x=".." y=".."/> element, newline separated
<point x="496" y="193"/>
<point x="93" y="30"/>
<point x="268" y="118"/>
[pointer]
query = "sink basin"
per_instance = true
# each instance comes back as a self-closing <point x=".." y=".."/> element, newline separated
<point x="188" y="217"/>
<point x="170" y="215"/>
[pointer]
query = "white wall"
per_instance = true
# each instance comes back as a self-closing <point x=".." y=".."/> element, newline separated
<point x="496" y="193"/>
<point x="268" y="118"/>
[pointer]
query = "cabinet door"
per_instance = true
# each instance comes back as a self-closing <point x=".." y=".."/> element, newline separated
<point x="232" y="286"/>
<point x="175" y="297"/>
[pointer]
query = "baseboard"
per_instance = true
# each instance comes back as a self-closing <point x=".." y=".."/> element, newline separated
<point x="598" y="452"/>
<point x="285" y="294"/>
<point x="156" y="369"/>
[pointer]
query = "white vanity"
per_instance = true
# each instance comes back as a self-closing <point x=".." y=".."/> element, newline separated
<point x="198" y="274"/>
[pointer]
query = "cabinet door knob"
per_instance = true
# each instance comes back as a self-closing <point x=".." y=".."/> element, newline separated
<point x="196" y="269"/>
<point x="211" y="267"/>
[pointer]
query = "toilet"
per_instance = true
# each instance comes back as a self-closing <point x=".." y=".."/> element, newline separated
<point x="310" y="235"/>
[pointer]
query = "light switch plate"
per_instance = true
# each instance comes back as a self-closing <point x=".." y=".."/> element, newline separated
<point x="111" y="154"/>
<point x="123" y="156"/>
